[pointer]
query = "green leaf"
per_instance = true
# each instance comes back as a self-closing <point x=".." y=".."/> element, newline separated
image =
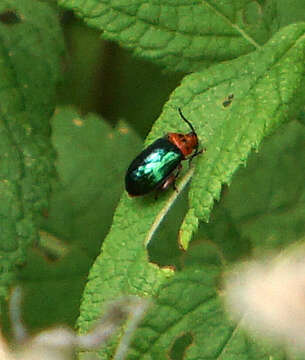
<point x="31" y="45"/>
<point x="290" y="14"/>
<point x="80" y="210"/>
<point x="189" y="304"/>
<point x="123" y="267"/>
<point x="188" y="227"/>
<point x="266" y="201"/>
<point x="181" y="36"/>
<point x="264" y="207"/>
<point x="267" y="88"/>
<point x="91" y="161"/>
<point x="301" y="116"/>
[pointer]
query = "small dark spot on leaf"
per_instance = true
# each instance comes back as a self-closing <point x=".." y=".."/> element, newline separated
<point x="10" y="17"/>
<point x="228" y="100"/>
<point x="180" y="345"/>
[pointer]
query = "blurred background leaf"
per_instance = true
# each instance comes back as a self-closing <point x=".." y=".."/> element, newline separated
<point x="91" y="160"/>
<point x="99" y="75"/>
<point x="28" y="84"/>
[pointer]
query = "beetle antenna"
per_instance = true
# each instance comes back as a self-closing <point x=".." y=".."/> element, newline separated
<point x="189" y="124"/>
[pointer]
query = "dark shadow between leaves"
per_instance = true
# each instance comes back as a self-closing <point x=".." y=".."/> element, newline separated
<point x="163" y="249"/>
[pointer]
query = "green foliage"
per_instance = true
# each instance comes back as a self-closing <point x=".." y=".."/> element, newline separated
<point x="61" y="180"/>
<point x="237" y="228"/>
<point x="181" y="36"/>
<point x="80" y="212"/>
<point x="279" y="175"/>
<point x="200" y="313"/>
<point x="28" y="79"/>
<point x="267" y="91"/>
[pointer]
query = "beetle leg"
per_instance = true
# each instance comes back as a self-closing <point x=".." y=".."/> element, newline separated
<point x="179" y="167"/>
<point x="197" y="152"/>
<point x="171" y="179"/>
<point x="166" y="183"/>
<point x="174" y="185"/>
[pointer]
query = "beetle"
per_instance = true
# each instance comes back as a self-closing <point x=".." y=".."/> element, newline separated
<point x="158" y="166"/>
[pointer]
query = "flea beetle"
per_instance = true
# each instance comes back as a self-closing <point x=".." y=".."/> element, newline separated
<point x="158" y="166"/>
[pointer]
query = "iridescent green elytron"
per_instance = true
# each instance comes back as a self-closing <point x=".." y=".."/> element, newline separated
<point x="152" y="166"/>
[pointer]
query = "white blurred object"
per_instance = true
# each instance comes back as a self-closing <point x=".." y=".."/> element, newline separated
<point x="4" y="350"/>
<point x="270" y="297"/>
<point x="61" y="343"/>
